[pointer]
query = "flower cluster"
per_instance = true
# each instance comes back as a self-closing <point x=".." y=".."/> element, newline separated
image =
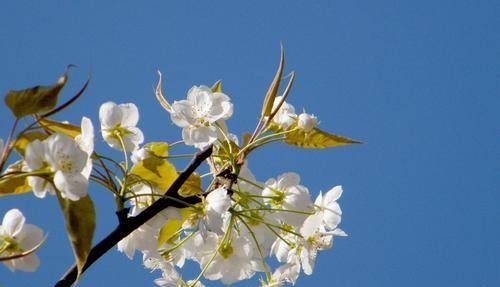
<point x="239" y="222"/>
<point x="232" y="225"/>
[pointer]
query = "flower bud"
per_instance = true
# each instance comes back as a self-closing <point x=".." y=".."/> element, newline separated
<point x="307" y="122"/>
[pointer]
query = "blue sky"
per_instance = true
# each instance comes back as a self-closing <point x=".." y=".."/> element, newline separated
<point x="417" y="81"/>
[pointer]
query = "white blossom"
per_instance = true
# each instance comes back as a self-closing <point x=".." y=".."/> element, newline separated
<point x="234" y="262"/>
<point x="286" y="116"/>
<point x="329" y="209"/>
<point x="61" y="157"/>
<point x="199" y="113"/>
<point x="307" y="122"/>
<point x="285" y="192"/>
<point x="16" y="236"/>
<point x="120" y="121"/>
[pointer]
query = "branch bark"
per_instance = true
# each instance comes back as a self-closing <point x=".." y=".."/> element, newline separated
<point x="130" y="224"/>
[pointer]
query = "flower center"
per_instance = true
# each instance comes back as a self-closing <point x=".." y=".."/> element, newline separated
<point x="10" y="245"/>
<point x="226" y="250"/>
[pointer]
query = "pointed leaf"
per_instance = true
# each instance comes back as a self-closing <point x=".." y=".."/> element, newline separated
<point x="273" y="88"/>
<point x="34" y="100"/>
<point x="217" y="87"/>
<point x="156" y="171"/>
<point x="58" y="127"/>
<point x="316" y="139"/>
<point x="80" y="225"/>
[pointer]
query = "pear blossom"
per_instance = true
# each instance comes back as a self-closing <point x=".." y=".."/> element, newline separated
<point x="61" y="157"/>
<point x="285" y="192"/>
<point x="217" y="204"/>
<point x="234" y="261"/>
<point x="307" y="122"/>
<point x="286" y="116"/>
<point x="120" y="121"/>
<point x="329" y="209"/>
<point x="199" y="113"/>
<point x="16" y="236"/>
<point x="304" y="250"/>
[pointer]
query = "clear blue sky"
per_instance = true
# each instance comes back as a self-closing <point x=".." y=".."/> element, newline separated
<point x="418" y="81"/>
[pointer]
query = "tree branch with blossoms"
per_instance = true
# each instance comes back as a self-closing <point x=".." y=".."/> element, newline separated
<point x="225" y="220"/>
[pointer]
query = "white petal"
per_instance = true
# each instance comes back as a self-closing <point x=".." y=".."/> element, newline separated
<point x="13" y="222"/>
<point x="288" y="179"/>
<point x="86" y="139"/>
<point x="182" y="114"/>
<point x="333" y="194"/>
<point x="133" y="139"/>
<point x="308" y="259"/>
<point x="30" y="236"/>
<point x="64" y="154"/>
<point x="319" y="199"/>
<point x="28" y="263"/>
<point x="34" y="155"/>
<point x="110" y="115"/>
<point x="130" y="115"/>
<point x="219" y="200"/>
<point x="40" y="186"/>
<point x="73" y="186"/>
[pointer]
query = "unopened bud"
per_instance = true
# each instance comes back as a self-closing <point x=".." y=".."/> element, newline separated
<point x="307" y="122"/>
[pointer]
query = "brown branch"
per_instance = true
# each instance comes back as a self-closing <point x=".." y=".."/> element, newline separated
<point x="132" y="223"/>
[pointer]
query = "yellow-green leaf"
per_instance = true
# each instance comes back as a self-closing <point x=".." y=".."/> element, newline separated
<point x="156" y="171"/>
<point x="273" y="88"/>
<point x="192" y="186"/>
<point x="158" y="149"/>
<point x="34" y="100"/>
<point x="217" y="87"/>
<point x="58" y="127"/>
<point x="316" y="138"/>
<point x="80" y="225"/>
<point x="26" y="138"/>
<point x="13" y="185"/>
<point x="169" y="230"/>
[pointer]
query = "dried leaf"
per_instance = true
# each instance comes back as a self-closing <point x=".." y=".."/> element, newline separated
<point x="34" y="100"/>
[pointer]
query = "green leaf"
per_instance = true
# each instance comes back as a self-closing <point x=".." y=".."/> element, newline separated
<point x="156" y="171"/>
<point x="217" y="87"/>
<point x="58" y="127"/>
<point x="316" y="138"/>
<point x="273" y="88"/>
<point x="34" y="100"/>
<point x="80" y="225"/>
<point x="26" y="138"/>
<point x="192" y="186"/>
